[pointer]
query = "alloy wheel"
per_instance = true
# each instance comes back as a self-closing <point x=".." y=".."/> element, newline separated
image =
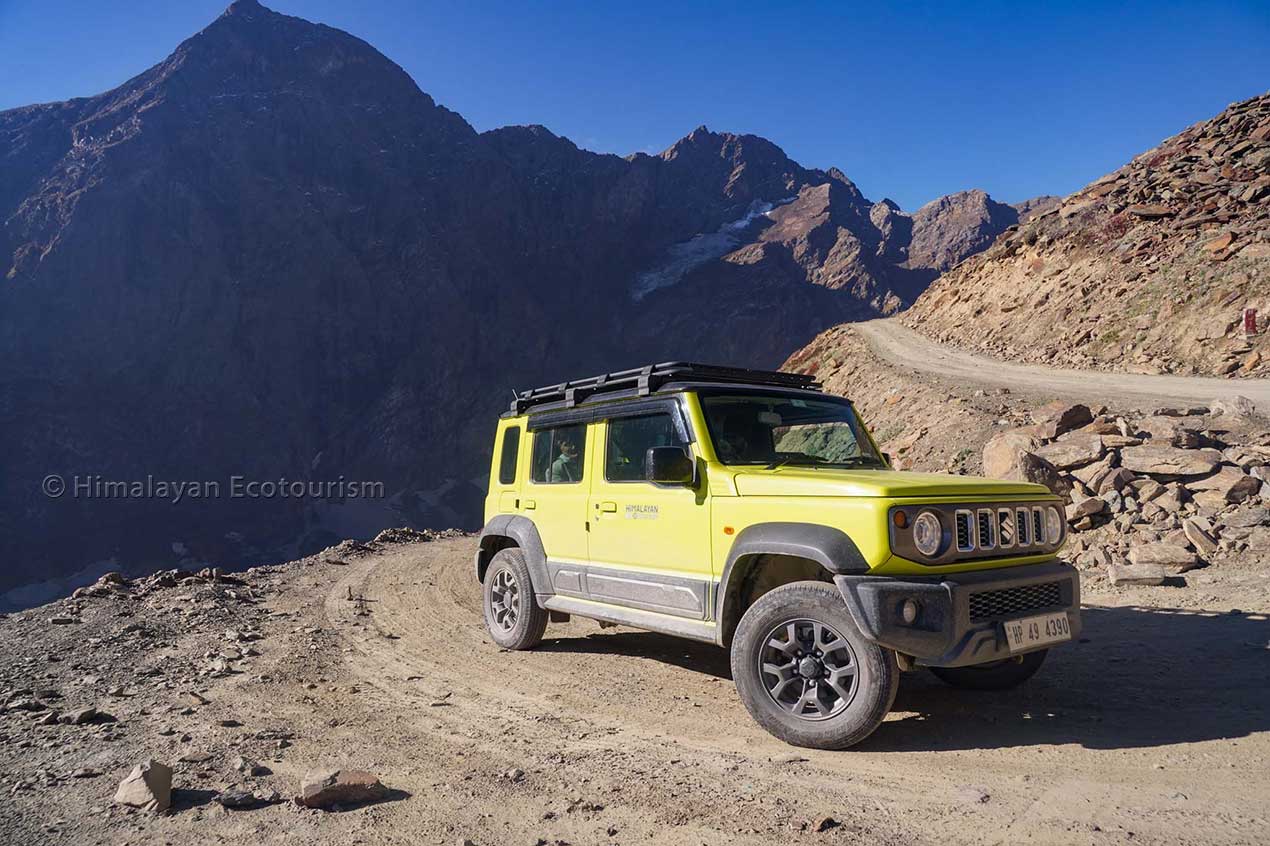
<point x="808" y="669"/>
<point x="505" y="600"/>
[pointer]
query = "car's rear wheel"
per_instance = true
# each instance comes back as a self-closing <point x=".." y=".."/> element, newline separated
<point x="804" y="671"/>
<point x="997" y="675"/>
<point x="512" y="617"/>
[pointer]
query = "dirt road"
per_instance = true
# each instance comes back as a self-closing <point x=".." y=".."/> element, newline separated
<point x="1156" y="729"/>
<point x="904" y="348"/>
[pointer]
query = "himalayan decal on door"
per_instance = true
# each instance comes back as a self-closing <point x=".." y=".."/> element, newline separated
<point x="641" y="512"/>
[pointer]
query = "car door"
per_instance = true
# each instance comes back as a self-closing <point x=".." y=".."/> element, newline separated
<point x="649" y="543"/>
<point x="556" y="497"/>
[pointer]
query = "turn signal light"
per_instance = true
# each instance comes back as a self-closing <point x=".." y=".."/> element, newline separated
<point x="900" y="519"/>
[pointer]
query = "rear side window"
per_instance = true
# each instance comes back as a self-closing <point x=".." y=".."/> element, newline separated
<point x="629" y="440"/>
<point x="507" y="461"/>
<point x="559" y="454"/>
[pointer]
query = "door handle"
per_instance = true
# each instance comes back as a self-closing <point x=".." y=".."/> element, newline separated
<point x="530" y="505"/>
<point x="607" y="507"/>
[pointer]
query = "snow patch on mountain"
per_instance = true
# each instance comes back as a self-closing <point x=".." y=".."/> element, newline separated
<point x="701" y="248"/>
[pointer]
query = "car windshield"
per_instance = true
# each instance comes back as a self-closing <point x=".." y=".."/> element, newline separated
<point x="774" y="430"/>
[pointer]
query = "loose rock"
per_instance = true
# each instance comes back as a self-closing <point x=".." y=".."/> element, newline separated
<point x="148" y="786"/>
<point x="324" y="788"/>
<point x="1174" y="559"/>
<point x="1166" y="461"/>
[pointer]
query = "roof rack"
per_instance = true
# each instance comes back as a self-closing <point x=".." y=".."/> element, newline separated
<point x="647" y="379"/>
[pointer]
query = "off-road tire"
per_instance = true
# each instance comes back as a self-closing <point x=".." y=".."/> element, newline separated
<point x="523" y="630"/>
<point x="875" y="671"/>
<point x="998" y="675"/>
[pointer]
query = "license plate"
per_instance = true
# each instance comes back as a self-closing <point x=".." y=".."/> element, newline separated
<point x="1031" y="632"/>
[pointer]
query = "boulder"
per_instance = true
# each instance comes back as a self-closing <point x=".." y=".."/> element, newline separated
<point x="1204" y="543"/>
<point x="1148" y="489"/>
<point x="1167" y="461"/>
<point x="1058" y="417"/>
<point x="1073" y="450"/>
<point x="1247" y="457"/>
<point x="1083" y="508"/>
<point x="80" y="716"/>
<point x="1258" y="539"/>
<point x="238" y="797"/>
<point x="1233" y="484"/>
<point x="1100" y="427"/>
<point x="1174" y="559"/>
<point x="1092" y="474"/>
<point x="1150" y="211"/>
<point x="1171" y="431"/>
<point x="148" y="786"/>
<point x="1209" y="501"/>
<point x="325" y="788"/>
<point x="1173" y="498"/>
<point x="1117" y="480"/>
<point x="1001" y="452"/>
<point x="1008" y="456"/>
<point x="1247" y="516"/>
<point x="1137" y="574"/>
<point x="1238" y="406"/>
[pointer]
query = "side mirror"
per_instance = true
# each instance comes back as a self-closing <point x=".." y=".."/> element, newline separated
<point x="886" y="456"/>
<point x="669" y="465"/>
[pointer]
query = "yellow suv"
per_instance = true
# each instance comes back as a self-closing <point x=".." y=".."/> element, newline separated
<point x="752" y="510"/>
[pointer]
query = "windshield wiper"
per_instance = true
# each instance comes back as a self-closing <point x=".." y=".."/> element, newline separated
<point x="800" y="460"/>
<point x="856" y="461"/>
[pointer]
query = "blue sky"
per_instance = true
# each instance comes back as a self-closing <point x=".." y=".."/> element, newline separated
<point x="911" y="100"/>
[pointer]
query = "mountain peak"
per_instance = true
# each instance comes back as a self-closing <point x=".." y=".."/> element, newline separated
<point x="243" y="7"/>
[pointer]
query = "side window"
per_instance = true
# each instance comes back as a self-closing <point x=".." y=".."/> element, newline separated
<point x="559" y="454"/>
<point x="630" y="438"/>
<point x="507" y="461"/>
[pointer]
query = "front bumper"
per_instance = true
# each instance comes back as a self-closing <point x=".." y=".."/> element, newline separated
<point x="950" y="630"/>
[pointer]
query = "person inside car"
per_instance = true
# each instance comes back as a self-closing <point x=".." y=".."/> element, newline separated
<point x="566" y="467"/>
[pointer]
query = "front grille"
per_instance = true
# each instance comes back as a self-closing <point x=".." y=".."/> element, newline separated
<point x="974" y="531"/>
<point x="1023" y="523"/>
<point x="987" y="529"/>
<point x="1010" y="602"/>
<point x="965" y="541"/>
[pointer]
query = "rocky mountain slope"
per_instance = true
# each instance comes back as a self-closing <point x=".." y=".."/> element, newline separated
<point x="1145" y="270"/>
<point x="955" y="227"/>
<point x="1151" y="493"/>
<point x="273" y="258"/>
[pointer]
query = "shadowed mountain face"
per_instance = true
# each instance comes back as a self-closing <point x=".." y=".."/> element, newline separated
<point x="272" y="257"/>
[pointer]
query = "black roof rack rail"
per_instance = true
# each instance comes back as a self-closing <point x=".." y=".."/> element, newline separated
<point x="649" y="378"/>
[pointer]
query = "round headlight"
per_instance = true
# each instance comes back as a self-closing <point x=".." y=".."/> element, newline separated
<point x="927" y="533"/>
<point x="1053" y="526"/>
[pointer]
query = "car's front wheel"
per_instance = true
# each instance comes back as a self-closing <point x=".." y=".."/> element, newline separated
<point x="512" y="617"/>
<point x="804" y="671"/>
<point x="997" y="675"/>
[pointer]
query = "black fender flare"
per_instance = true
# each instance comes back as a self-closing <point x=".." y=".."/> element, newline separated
<point x="522" y="531"/>
<point x="829" y="547"/>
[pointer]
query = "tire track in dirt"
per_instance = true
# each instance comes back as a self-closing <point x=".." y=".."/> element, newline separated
<point x="650" y="727"/>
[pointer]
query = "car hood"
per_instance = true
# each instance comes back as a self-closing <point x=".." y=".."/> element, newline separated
<point x="808" y="481"/>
